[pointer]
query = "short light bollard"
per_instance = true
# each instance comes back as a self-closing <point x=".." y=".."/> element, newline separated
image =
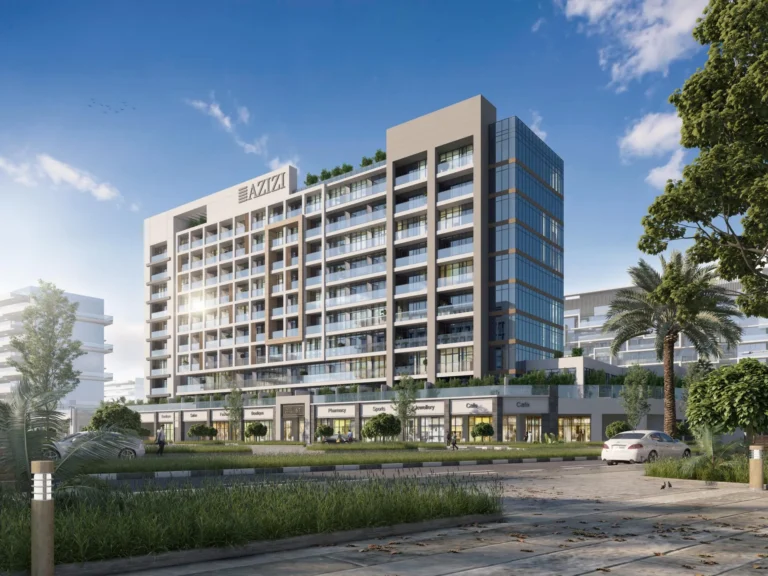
<point x="42" y="518"/>
<point x="756" y="480"/>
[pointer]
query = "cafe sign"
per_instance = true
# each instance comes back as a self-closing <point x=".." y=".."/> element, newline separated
<point x="472" y="406"/>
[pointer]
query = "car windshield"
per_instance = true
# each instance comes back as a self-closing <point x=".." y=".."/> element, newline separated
<point x="628" y="436"/>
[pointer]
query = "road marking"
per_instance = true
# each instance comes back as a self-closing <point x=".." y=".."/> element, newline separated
<point x="575" y="467"/>
<point x="535" y="470"/>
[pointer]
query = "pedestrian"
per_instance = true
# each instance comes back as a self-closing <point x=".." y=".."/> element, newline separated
<point x="448" y="437"/>
<point x="349" y="436"/>
<point x="525" y="438"/>
<point x="453" y="442"/>
<point x="160" y="441"/>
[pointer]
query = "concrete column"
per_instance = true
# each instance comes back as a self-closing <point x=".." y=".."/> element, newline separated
<point x="596" y="427"/>
<point x="390" y="335"/>
<point x="498" y="406"/>
<point x="432" y="268"/>
<point x="520" y="432"/>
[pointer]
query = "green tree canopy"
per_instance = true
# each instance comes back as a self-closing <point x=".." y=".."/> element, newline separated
<point x="256" y="430"/>
<point x="116" y="415"/>
<point x="379" y="156"/>
<point x="323" y="431"/>
<point x="683" y="299"/>
<point x="722" y="201"/>
<point x="311" y="179"/>
<point x="634" y="394"/>
<point x="404" y="403"/>
<point x="382" y="426"/>
<point x="731" y="397"/>
<point x="482" y="430"/>
<point x="617" y="427"/>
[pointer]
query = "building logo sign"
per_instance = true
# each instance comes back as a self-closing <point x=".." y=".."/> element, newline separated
<point x="261" y="187"/>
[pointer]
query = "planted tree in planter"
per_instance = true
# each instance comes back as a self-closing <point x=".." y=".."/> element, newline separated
<point x="482" y="430"/>
<point x="256" y="430"/>
<point x="382" y="427"/>
<point x="234" y="410"/>
<point x="576" y="352"/>
<point x="634" y="395"/>
<point x="617" y="427"/>
<point x="323" y="431"/>
<point x="404" y="403"/>
<point x="201" y="431"/>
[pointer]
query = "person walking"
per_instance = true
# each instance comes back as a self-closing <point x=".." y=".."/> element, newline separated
<point x="453" y="442"/>
<point x="448" y="438"/>
<point x="349" y="436"/>
<point x="160" y="441"/>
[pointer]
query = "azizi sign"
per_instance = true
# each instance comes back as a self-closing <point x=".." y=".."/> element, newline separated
<point x="261" y="187"/>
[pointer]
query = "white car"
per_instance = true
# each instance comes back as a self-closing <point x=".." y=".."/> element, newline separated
<point x="132" y="447"/>
<point x="643" y="446"/>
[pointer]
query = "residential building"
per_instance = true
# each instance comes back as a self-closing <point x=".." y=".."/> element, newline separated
<point x="130" y="390"/>
<point x="443" y="261"/>
<point x="585" y="315"/>
<point x="89" y="330"/>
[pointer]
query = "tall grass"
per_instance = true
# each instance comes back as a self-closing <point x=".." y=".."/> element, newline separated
<point x="198" y="449"/>
<point x="734" y="469"/>
<point x="119" y="524"/>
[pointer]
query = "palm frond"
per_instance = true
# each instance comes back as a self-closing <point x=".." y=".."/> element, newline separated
<point x="102" y="444"/>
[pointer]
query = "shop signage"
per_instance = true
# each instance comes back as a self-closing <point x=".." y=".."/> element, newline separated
<point x="219" y="416"/>
<point x="338" y="411"/>
<point x="148" y="417"/>
<point x="525" y="405"/>
<point x="165" y="417"/>
<point x="370" y="410"/>
<point x="199" y="416"/>
<point x="261" y="187"/>
<point x="293" y="410"/>
<point x="259" y="414"/>
<point x="472" y="406"/>
<point x="429" y="408"/>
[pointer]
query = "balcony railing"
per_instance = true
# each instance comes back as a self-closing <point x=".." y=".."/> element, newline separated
<point x="257" y="224"/>
<point x="211" y="238"/>
<point x="258" y="270"/>
<point x="197" y="263"/>
<point x="455" y="163"/>
<point x="257" y="293"/>
<point x="448" y="367"/>
<point x="225" y="277"/>
<point x="278" y="265"/>
<point x="355" y="272"/>
<point x="411" y="260"/>
<point x="159" y="371"/>
<point x="225" y="256"/>
<point x="312" y="207"/>
<point x="161" y="352"/>
<point x="159" y="333"/>
<point x="410" y="370"/>
<point x="312" y="232"/>
<point x="160" y="276"/>
<point x="411" y="315"/>
<point x="314" y="329"/>
<point x="464" y="189"/>
<point x="258" y="315"/>
<point x="455" y="308"/>
<point x="314" y="256"/>
<point x="158" y="295"/>
<point x="313" y="305"/>
<point x="241" y="318"/>
<point x="242" y="339"/>
<point x="359" y="297"/>
<point x="292" y="238"/>
<point x="412" y="204"/>
<point x="410" y="232"/>
<point x="313" y="280"/>
<point x="278" y="311"/>
<point x="277" y="289"/>
<point x="356" y="323"/>
<point x="379" y="214"/>
<point x="224" y="299"/>
<point x="158" y="391"/>
<point x="453" y="280"/>
<point x="212" y="281"/>
<point x="454" y="222"/>
<point x="411" y="342"/>
<point x="241" y="295"/>
<point x="411" y="287"/>
<point x="355" y="246"/>
<point x="357" y="349"/>
<point x="276" y="218"/>
<point x="455" y="338"/>
<point x="292" y="309"/>
<point x="257" y="247"/>
<point x="183" y="247"/>
<point x="239" y="229"/>
<point x="295" y="212"/>
<point x="158" y="257"/>
<point x="159" y="314"/>
<point x="412" y="176"/>
<point x="226" y="342"/>
<point x="197" y="242"/>
<point x="377" y="188"/>
<point x="292" y="332"/>
<point x="239" y="251"/>
<point x="458" y="249"/>
<point x="211" y="260"/>
<point x="276" y="242"/>
<point x="244" y="273"/>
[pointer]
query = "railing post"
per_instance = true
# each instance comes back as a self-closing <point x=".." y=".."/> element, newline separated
<point x="756" y="480"/>
<point x="42" y="518"/>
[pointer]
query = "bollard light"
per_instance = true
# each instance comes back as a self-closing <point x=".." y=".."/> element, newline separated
<point x="42" y="522"/>
<point x="756" y="475"/>
<point x="42" y="487"/>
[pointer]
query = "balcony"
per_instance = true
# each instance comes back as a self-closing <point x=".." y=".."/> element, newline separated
<point x="410" y="370"/>
<point x="239" y="251"/>
<point x="226" y="233"/>
<point x="197" y="242"/>
<point x="276" y="218"/>
<point x="292" y="309"/>
<point x="355" y="246"/>
<point x="465" y="366"/>
<point x="159" y="276"/>
<point x="413" y="176"/>
<point x="292" y="332"/>
<point x="196" y="264"/>
<point x="197" y="325"/>
<point x="454" y="280"/>
<point x="158" y="333"/>
<point x="241" y="295"/>
<point x="455" y="338"/>
<point x="278" y="311"/>
<point x="455" y="309"/>
<point x="211" y="344"/>
<point x="212" y="281"/>
<point x="239" y="229"/>
<point x="314" y="256"/>
<point x="195" y="284"/>
<point x="211" y="238"/>
<point x="377" y="188"/>
<point x="158" y="257"/>
<point x="356" y="272"/>
<point x="291" y="238"/>
<point x="257" y="247"/>
<point x="241" y="318"/>
<point x="226" y="342"/>
<point x="257" y="224"/>
<point x="355" y="324"/>
<point x="276" y="334"/>
<point x="411" y="287"/>
<point x="356" y="349"/>
<point x="313" y="280"/>
<point x="159" y="391"/>
<point x="185" y="267"/>
<point x="458" y="191"/>
<point x="456" y="250"/>
<point x="258" y="315"/>
<point x="246" y="339"/>
<point x="211" y="260"/>
<point x="466" y="218"/>
<point x="344" y="223"/>
<point x="455" y="164"/>
<point x="411" y="260"/>
<point x="313" y="207"/>
<point x="277" y="242"/>
<point x="257" y="293"/>
<point x="212" y="323"/>
<point x="258" y="270"/>
<point x="224" y="299"/>
<point x="406" y="315"/>
<point x="412" y="204"/>
<point x="411" y="342"/>
<point x="183" y="348"/>
<point x="183" y="328"/>
<point x="313" y="354"/>
<point x="160" y="352"/>
<point x="225" y="256"/>
<point x="159" y="372"/>
<point x="312" y="232"/>
<point x="411" y="232"/>
<point x="158" y="295"/>
<point x="314" y="329"/>
<point x="226" y="277"/>
<point x="160" y="314"/>
<point x="353" y="298"/>
<point x="313" y="305"/>
<point x="243" y="273"/>
<point x="183" y="247"/>
<point x="261" y="337"/>
<point x="278" y="265"/>
<point x="277" y="289"/>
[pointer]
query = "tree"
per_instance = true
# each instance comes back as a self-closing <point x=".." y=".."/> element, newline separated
<point x="722" y="201"/>
<point x="256" y="430"/>
<point x="234" y="410"/>
<point x="346" y="168"/>
<point x="577" y="352"/>
<point x="46" y="347"/>
<point x="324" y="174"/>
<point x="379" y="156"/>
<point x="366" y="161"/>
<point x="558" y="354"/>
<point x="617" y="427"/>
<point x="731" y="397"/>
<point x="115" y="415"/>
<point x="483" y="430"/>
<point x="634" y="395"/>
<point x="404" y="403"/>
<point x="381" y="427"/>
<point x="311" y="179"/>
<point x="682" y="299"/>
<point x="202" y="431"/>
<point x="337" y="171"/>
<point x="323" y="431"/>
<point x="697" y="371"/>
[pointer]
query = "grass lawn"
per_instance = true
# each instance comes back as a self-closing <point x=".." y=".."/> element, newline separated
<point x="117" y="524"/>
<point x="222" y="461"/>
<point x="151" y="449"/>
<point x="368" y="446"/>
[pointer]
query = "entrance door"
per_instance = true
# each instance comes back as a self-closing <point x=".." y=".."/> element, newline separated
<point x="293" y="429"/>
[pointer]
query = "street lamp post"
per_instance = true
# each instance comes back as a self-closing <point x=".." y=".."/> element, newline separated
<point x="42" y="518"/>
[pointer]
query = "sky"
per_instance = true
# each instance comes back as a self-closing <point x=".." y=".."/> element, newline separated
<point x="111" y="112"/>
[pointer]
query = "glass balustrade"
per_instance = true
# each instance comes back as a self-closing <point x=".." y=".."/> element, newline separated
<point x="413" y="176"/>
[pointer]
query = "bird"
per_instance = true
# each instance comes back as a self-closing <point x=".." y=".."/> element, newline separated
<point x="663" y="485"/>
<point x="669" y="484"/>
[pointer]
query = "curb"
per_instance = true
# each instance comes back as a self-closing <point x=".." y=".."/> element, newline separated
<point x="184" y="557"/>
<point x="330" y="468"/>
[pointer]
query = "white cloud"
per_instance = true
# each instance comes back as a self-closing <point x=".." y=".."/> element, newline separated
<point x="257" y="147"/>
<point x="278" y="162"/>
<point x="641" y="36"/>
<point x="243" y="115"/>
<point x="672" y="170"/>
<point x="536" y="125"/>
<point x="652" y="135"/>
<point x="62" y="173"/>
<point x="19" y="173"/>
<point x="537" y="25"/>
<point x="213" y="110"/>
<point x="134" y="207"/>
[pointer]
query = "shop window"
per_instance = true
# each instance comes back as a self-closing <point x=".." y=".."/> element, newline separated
<point x="477" y="420"/>
<point x="509" y="429"/>
<point x="432" y="428"/>
<point x="270" y="431"/>
<point x="168" y="428"/>
<point x="574" y="428"/>
<point x="223" y="430"/>
<point x="533" y="427"/>
<point x="457" y="427"/>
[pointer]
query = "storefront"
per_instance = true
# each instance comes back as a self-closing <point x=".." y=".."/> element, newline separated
<point x="429" y="423"/>
<point x="574" y="428"/>
<point x="265" y="416"/>
<point x="190" y="419"/>
<point x="167" y="421"/>
<point x="467" y="413"/>
<point x="340" y="417"/>
<point x="368" y="411"/>
<point x="293" y="422"/>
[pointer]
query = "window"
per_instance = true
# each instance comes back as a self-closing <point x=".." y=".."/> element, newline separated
<point x="270" y="430"/>
<point x="457" y="427"/>
<point x="574" y="428"/>
<point x="473" y="420"/>
<point x="340" y="425"/>
<point x="222" y="430"/>
<point x="515" y="177"/>
<point x="533" y="427"/>
<point x="432" y="429"/>
<point x="168" y="428"/>
<point x="509" y="429"/>
<point x="456" y="154"/>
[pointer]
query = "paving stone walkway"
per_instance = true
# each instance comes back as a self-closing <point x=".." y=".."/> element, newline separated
<point x="557" y="523"/>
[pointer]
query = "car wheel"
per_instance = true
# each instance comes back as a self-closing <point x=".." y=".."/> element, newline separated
<point x="652" y="456"/>
<point x="611" y="463"/>
<point x="126" y="454"/>
<point x="50" y="454"/>
<point x="687" y="453"/>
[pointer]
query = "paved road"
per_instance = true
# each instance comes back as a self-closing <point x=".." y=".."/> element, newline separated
<point x="560" y="518"/>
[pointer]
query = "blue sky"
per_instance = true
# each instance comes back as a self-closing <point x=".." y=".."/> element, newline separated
<point x="110" y="113"/>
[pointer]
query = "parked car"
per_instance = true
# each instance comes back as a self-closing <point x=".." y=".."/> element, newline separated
<point x="643" y="446"/>
<point x="133" y="446"/>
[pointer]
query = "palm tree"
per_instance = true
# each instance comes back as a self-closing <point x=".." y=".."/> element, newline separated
<point x="683" y="299"/>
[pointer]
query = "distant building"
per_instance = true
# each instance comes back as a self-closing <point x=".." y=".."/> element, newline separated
<point x="131" y="390"/>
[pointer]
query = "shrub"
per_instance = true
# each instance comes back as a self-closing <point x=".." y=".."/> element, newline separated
<point x="144" y="433"/>
<point x="323" y="431"/>
<point x="382" y="426"/>
<point x="576" y="352"/>
<point x="482" y="430"/>
<point x="256" y="430"/>
<point x="117" y="415"/>
<point x="617" y="427"/>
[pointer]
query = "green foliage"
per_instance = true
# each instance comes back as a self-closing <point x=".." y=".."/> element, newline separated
<point x="734" y="468"/>
<point x="617" y="427"/>
<point x="595" y="377"/>
<point x="324" y="174"/>
<point x="551" y="438"/>
<point x="45" y="347"/>
<point x="203" y="431"/>
<point x="337" y="171"/>
<point x="404" y="403"/>
<point x="482" y="430"/>
<point x="323" y="431"/>
<point x="346" y="168"/>
<point x="697" y="371"/>
<point x="115" y="415"/>
<point x="635" y="393"/>
<point x="683" y="299"/>
<point x="382" y="427"/>
<point x="192" y="222"/>
<point x="366" y="161"/>
<point x="234" y="408"/>
<point x="722" y="201"/>
<point x="379" y="156"/>
<point x="577" y="352"/>
<point x="256" y="430"/>
<point x="558" y="354"/>
<point x="145" y="433"/>
<point x="487" y="380"/>
<point x="731" y="397"/>
<point x="311" y="179"/>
